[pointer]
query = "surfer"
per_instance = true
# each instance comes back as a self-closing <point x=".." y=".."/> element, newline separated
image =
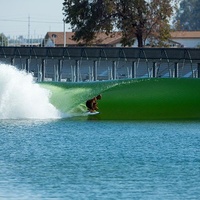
<point x="92" y="103"/>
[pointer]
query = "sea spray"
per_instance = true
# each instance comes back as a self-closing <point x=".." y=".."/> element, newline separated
<point x="22" y="98"/>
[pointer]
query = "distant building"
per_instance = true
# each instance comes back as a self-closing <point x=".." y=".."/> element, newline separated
<point x="56" y="39"/>
<point x="190" y="39"/>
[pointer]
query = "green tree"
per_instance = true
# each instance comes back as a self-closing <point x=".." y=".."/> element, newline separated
<point x="88" y="17"/>
<point x="138" y="19"/>
<point x="3" y="40"/>
<point x="188" y="14"/>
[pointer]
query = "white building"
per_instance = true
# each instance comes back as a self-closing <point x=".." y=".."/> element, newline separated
<point x="188" y="39"/>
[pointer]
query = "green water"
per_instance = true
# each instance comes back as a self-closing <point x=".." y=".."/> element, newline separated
<point x="132" y="99"/>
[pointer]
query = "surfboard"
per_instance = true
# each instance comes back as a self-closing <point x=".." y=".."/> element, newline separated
<point x="92" y="113"/>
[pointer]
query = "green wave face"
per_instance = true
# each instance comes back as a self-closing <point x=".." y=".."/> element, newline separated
<point x="135" y="99"/>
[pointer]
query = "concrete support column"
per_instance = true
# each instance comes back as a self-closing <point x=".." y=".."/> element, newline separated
<point x="114" y="70"/>
<point x="55" y="72"/>
<point x="43" y="69"/>
<point x="154" y="70"/>
<point x="72" y="74"/>
<point x="12" y="61"/>
<point x="134" y="70"/>
<point x="95" y="68"/>
<point x="59" y="70"/>
<point x="27" y="67"/>
<point x="90" y="73"/>
<point x="77" y="67"/>
<point x="176" y="70"/>
<point x="198" y="70"/>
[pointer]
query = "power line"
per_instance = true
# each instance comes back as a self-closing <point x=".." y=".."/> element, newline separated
<point x="32" y="21"/>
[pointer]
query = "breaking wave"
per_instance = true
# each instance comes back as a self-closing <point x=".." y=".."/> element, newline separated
<point x="22" y="98"/>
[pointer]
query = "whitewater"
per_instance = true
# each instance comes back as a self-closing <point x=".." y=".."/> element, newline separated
<point x="22" y="98"/>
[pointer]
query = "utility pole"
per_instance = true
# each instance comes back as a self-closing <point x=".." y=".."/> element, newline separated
<point x="29" y="30"/>
<point x="64" y="33"/>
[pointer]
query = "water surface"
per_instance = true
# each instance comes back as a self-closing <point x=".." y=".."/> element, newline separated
<point x="88" y="159"/>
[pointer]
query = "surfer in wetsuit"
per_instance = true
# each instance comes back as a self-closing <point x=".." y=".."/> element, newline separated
<point x="92" y="103"/>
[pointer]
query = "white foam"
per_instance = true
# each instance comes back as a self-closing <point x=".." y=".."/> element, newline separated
<point x="22" y="98"/>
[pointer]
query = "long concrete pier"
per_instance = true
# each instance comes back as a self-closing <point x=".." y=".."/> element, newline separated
<point x="102" y="63"/>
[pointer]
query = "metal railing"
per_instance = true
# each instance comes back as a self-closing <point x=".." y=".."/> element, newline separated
<point x="102" y="63"/>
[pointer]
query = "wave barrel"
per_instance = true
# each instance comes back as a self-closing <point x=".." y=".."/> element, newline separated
<point x="132" y="99"/>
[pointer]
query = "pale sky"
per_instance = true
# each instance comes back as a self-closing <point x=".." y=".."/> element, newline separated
<point x="45" y="15"/>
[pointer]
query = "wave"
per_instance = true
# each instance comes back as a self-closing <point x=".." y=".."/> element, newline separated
<point x="132" y="99"/>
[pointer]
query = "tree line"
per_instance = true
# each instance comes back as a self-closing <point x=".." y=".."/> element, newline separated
<point x="135" y="19"/>
<point x="188" y="15"/>
<point x="3" y="40"/>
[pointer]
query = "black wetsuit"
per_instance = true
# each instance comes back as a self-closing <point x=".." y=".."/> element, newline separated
<point x="91" y="104"/>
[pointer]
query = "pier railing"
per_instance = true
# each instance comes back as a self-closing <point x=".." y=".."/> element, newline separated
<point x="102" y="63"/>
